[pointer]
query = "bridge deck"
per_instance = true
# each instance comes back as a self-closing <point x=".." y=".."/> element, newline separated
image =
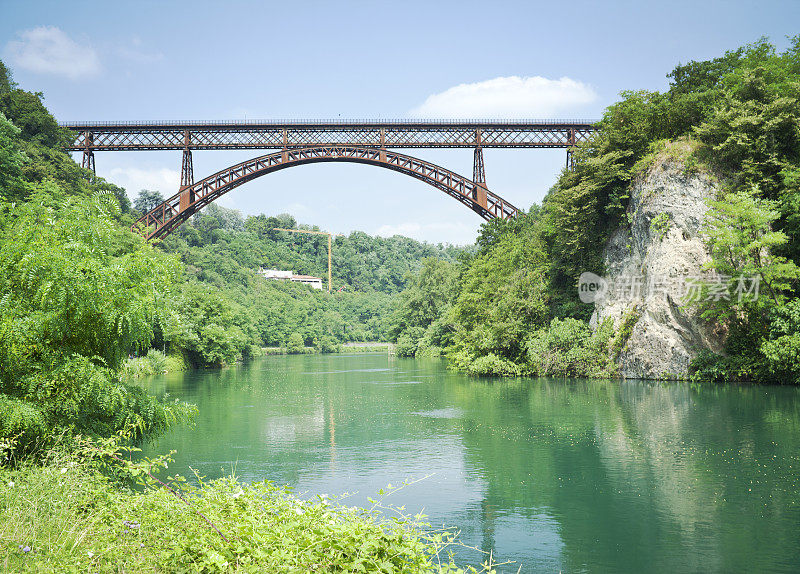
<point x="219" y="135"/>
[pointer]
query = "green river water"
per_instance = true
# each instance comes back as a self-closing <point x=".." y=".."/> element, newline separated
<point x="556" y="475"/>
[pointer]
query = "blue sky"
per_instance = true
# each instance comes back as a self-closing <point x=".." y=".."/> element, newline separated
<point x="198" y="60"/>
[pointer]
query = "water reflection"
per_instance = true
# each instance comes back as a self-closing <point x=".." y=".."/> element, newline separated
<point x="565" y="475"/>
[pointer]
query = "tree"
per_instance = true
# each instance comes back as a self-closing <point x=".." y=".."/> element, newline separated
<point x="12" y="161"/>
<point x="147" y="200"/>
<point x="738" y="231"/>
<point x="28" y="113"/>
<point x="426" y="299"/>
<point x="77" y="295"/>
<point x="6" y="79"/>
<point x="295" y="344"/>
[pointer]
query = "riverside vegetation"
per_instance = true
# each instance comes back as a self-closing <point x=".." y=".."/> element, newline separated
<point x="80" y="294"/>
<point x="511" y="308"/>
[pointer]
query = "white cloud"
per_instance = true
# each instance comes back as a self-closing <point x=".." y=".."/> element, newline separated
<point x="508" y="97"/>
<point x="133" y="179"/>
<point x="48" y="50"/>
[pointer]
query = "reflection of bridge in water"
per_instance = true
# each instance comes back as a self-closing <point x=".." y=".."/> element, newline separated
<point x="304" y="142"/>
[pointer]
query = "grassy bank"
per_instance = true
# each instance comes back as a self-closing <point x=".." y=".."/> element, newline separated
<point x="153" y="363"/>
<point x="349" y="348"/>
<point x="66" y="516"/>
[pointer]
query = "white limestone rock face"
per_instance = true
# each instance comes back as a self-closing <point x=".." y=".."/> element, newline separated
<point x="647" y="264"/>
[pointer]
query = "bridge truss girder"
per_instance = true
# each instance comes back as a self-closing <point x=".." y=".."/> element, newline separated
<point x="136" y="136"/>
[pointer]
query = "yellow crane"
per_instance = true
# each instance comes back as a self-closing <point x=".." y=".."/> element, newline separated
<point x="330" y="235"/>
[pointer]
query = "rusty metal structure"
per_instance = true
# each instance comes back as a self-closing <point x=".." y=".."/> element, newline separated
<point x="301" y="142"/>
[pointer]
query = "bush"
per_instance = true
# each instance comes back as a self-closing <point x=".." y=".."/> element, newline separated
<point x="486" y="365"/>
<point x="65" y="516"/>
<point x="78" y="293"/>
<point x="406" y="346"/>
<point x="328" y="344"/>
<point x="763" y="346"/>
<point x="295" y="345"/>
<point x="569" y="348"/>
<point x="154" y="363"/>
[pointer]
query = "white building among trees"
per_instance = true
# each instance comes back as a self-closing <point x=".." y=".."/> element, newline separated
<point x="280" y="275"/>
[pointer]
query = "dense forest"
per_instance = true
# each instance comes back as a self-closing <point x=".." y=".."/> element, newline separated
<point x="80" y="294"/>
<point x="511" y="307"/>
<point x="222" y="252"/>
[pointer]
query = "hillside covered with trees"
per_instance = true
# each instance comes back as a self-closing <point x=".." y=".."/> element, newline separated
<point x="80" y="293"/>
<point x="512" y="307"/>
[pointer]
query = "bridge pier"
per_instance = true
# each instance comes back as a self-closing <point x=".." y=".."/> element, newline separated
<point x="187" y="180"/>
<point x="186" y="199"/>
<point x="88" y="154"/>
<point x="572" y="142"/>
<point x="187" y="170"/>
<point x="479" y="173"/>
<point x="382" y="153"/>
<point x="478" y="169"/>
<point x="479" y="195"/>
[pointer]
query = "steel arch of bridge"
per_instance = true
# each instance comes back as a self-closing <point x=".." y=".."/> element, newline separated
<point x="166" y="217"/>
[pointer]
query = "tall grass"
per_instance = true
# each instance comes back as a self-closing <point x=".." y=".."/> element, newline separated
<point x="154" y="363"/>
<point x="66" y="516"/>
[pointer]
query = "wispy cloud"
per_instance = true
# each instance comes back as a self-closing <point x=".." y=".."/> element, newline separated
<point x="48" y="50"/>
<point x="508" y="97"/>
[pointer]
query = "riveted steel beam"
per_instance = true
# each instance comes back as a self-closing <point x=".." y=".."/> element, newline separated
<point x="141" y="136"/>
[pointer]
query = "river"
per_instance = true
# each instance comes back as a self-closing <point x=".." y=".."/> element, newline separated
<point x="556" y="475"/>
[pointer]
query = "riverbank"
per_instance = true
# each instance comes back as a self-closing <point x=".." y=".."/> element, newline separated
<point x="66" y="516"/>
<point x="351" y="347"/>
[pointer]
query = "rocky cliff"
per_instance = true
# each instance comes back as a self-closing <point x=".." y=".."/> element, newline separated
<point x="650" y="264"/>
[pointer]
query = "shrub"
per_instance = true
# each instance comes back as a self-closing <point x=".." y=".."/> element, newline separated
<point x="569" y="348"/>
<point x="65" y="516"/>
<point x="295" y="345"/>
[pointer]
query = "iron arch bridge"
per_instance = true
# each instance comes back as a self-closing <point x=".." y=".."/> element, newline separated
<point x="322" y="141"/>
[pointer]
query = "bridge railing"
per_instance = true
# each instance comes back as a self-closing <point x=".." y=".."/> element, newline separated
<point x="329" y="122"/>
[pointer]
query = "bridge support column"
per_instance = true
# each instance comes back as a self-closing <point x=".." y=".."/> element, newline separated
<point x="187" y="170"/>
<point x="186" y="200"/>
<point x="570" y="157"/>
<point x="570" y="160"/>
<point x="479" y="174"/>
<point x="382" y="153"/>
<point x="479" y="195"/>
<point x="88" y="163"/>
<point x="478" y="170"/>
<point x="88" y="154"/>
<point x="187" y="180"/>
<point x="187" y="175"/>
